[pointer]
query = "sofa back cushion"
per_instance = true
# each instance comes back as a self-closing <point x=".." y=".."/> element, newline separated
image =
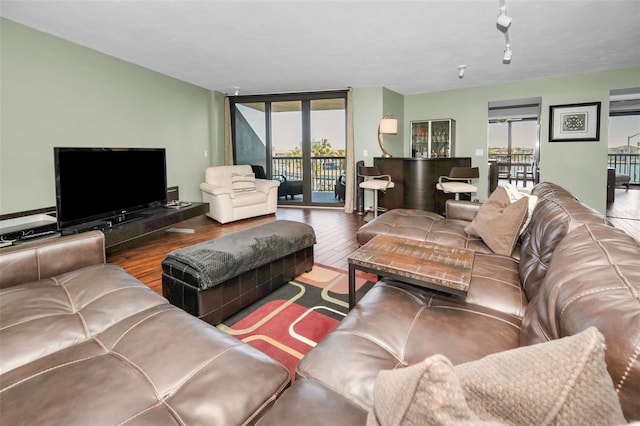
<point x="556" y="214"/>
<point x="222" y="175"/>
<point x="594" y="280"/>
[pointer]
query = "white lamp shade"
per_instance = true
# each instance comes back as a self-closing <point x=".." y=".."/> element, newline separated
<point x="389" y="126"/>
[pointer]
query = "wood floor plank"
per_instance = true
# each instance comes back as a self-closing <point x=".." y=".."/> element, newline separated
<point x="335" y="233"/>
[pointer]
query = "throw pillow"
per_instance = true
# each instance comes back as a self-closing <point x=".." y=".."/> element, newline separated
<point x="427" y="393"/>
<point x="564" y="381"/>
<point x="243" y="183"/>
<point x="514" y="195"/>
<point x="498" y="222"/>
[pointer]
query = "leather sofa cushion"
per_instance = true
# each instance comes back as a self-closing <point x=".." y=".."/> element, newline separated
<point x="97" y="345"/>
<point x="396" y="325"/>
<point x="495" y="284"/>
<point x="556" y="214"/>
<point x="594" y="280"/>
<point x="307" y="402"/>
<point x="42" y="317"/>
<point x="249" y="198"/>
<point x="422" y="226"/>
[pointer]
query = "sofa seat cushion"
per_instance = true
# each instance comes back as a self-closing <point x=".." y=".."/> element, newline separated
<point x="123" y="355"/>
<point x="60" y="312"/>
<point x="308" y="402"/>
<point x="594" y="280"/>
<point x="396" y="325"/>
<point x="495" y="284"/>
<point x="248" y="198"/>
<point x="422" y="226"/>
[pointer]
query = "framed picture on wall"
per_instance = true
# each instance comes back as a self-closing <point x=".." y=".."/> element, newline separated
<point x="574" y="122"/>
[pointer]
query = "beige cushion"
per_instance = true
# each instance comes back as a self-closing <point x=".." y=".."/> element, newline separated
<point x="562" y="382"/>
<point x="243" y="183"/>
<point x="514" y="195"/>
<point x="498" y="222"/>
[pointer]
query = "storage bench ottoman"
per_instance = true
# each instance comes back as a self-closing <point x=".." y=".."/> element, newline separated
<point x="215" y="279"/>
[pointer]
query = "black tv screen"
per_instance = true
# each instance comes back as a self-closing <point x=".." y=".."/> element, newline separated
<point x="99" y="183"/>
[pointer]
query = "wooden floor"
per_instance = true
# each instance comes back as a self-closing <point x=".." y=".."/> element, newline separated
<point x="624" y="212"/>
<point x="335" y="233"/>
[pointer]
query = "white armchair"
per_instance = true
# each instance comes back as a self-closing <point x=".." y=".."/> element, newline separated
<point x="233" y="193"/>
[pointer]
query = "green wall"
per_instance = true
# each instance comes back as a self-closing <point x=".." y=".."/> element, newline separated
<point x="580" y="167"/>
<point x="56" y="93"/>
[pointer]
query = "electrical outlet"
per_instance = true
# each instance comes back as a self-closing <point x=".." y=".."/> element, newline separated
<point x="365" y="153"/>
<point x="206" y="153"/>
<point x="479" y="152"/>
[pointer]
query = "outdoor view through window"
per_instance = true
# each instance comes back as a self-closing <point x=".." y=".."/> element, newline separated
<point x="305" y="146"/>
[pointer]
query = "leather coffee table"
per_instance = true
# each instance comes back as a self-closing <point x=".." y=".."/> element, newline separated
<point x="434" y="266"/>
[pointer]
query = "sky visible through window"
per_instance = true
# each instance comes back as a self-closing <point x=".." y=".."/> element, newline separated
<point x="621" y="127"/>
<point x="328" y="125"/>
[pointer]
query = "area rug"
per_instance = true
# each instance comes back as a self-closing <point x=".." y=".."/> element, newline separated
<point x="293" y="319"/>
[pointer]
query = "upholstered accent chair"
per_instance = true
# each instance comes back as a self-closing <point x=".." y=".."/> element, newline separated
<point x="459" y="181"/>
<point x="234" y="193"/>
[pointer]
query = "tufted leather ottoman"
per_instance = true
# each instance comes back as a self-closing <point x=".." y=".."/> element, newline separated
<point x="215" y="279"/>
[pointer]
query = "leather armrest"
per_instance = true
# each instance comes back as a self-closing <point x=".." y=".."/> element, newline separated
<point x="265" y="185"/>
<point x="215" y="189"/>
<point x="42" y="259"/>
<point x="461" y="209"/>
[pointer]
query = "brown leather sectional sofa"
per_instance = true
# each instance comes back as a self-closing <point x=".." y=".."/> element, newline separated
<point x="571" y="271"/>
<point x="84" y="343"/>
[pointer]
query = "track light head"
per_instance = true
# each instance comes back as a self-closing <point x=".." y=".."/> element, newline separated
<point x="461" y="70"/>
<point x="504" y="21"/>
<point x="506" y="58"/>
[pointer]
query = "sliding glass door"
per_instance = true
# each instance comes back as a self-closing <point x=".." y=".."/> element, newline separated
<point x="299" y="139"/>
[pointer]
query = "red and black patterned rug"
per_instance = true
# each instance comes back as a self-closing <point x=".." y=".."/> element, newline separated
<point x="293" y="319"/>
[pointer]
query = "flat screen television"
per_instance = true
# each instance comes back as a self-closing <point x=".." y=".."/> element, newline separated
<point x="107" y="184"/>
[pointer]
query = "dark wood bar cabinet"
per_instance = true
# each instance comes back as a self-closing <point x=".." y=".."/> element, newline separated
<point x="415" y="182"/>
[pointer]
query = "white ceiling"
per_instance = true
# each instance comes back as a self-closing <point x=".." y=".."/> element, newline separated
<point x="288" y="46"/>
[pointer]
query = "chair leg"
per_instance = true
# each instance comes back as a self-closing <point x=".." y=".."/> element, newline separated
<point x="375" y="203"/>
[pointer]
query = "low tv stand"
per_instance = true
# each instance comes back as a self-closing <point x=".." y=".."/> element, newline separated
<point x="154" y="219"/>
<point x="117" y="232"/>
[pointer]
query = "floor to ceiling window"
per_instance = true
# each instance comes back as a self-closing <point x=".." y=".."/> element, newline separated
<point x="298" y="139"/>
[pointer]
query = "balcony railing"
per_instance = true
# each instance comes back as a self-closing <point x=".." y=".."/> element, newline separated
<point x="325" y="171"/>
<point x="626" y="164"/>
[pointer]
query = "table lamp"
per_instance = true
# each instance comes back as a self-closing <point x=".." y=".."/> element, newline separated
<point x="387" y="126"/>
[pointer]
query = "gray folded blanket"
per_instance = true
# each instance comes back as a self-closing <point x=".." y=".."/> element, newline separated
<point x="226" y="257"/>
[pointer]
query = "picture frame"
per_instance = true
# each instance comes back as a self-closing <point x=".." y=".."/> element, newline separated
<point x="574" y="122"/>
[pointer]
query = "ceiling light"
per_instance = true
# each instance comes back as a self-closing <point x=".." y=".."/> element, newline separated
<point x="504" y="21"/>
<point x="236" y="91"/>
<point x="507" y="54"/>
<point x="461" y="70"/>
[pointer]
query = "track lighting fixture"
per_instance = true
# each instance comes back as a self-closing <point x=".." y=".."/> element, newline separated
<point x="236" y="91"/>
<point x="461" y="70"/>
<point x="506" y="58"/>
<point x="504" y="21"/>
<point x="503" y="24"/>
